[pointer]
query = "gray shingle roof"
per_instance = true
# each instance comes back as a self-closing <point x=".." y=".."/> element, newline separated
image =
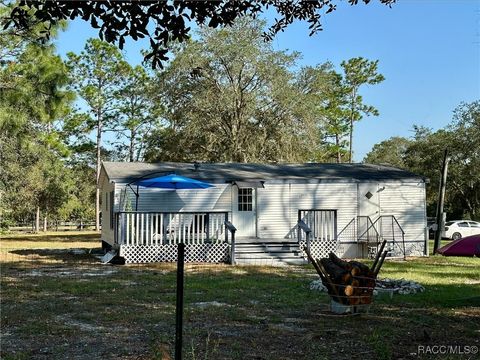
<point x="226" y="172"/>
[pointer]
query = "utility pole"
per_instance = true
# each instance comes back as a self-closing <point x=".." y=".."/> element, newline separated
<point x="441" y="201"/>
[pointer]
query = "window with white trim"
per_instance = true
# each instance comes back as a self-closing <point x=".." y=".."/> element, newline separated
<point x="245" y="199"/>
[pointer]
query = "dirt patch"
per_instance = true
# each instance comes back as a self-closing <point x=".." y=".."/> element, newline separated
<point x="83" y="326"/>
<point x="209" y="303"/>
<point x="472" y="282"/>
<point x="72" y="272"/>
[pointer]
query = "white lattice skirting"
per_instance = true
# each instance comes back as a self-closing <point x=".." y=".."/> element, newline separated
<point x="212" y="253"/>
<point x="319" y="249"/>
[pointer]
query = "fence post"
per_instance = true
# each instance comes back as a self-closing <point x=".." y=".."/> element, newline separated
<point x="179" y="305"/>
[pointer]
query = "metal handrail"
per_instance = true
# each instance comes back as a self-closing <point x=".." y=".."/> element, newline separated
<point x="372" y="225"/>
<point x="346" y="227"/>
<point x="230" y="227"/>
<point x="303" y="226"/>
<point x="399" y="226"/>
<point x="394" y="219"/>
<point x="403" y="236"/>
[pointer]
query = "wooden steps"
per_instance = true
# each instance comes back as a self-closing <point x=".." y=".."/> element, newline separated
<point x="268" y="253"/>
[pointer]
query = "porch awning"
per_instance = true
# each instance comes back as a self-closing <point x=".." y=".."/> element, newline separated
<point x="249" y="184"/>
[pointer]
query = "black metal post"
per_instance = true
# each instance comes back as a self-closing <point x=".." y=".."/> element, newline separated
<point x="308" y="234"/>
<point x="229" y="227"/>
<point x="226" y="229"/>
<point x="232" y="255"/>
<point x="179" y="307"/>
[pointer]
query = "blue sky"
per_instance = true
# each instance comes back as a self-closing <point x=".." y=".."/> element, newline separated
<point x="428" y="51"/>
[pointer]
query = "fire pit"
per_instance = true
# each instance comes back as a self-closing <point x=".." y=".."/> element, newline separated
<point x="350" y="284"/>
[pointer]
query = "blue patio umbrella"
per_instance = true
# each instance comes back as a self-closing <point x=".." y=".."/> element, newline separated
<point x="172" y="182"/>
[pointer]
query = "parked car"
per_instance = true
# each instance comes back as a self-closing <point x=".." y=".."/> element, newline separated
<point x="460" y="228"/>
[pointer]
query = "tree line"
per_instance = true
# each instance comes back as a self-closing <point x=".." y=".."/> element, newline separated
<point x="226" y="95"/>
<point x="423" y="154"/>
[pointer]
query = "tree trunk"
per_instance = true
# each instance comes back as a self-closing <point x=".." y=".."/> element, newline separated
<point x="97" y="192"/>
<point x="37" y="219"/>
<point x="1" y="211"/>
<point x="354" y="93"/>
<point x="131" y="155"/>
<point x="45" y="222"/>
<point x="337" y="143"/>
<point x="351" y="141"/>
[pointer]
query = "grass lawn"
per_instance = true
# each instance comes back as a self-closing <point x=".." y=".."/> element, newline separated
<point x="59" y="304"/>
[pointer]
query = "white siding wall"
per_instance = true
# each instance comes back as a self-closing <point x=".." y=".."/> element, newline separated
<point x="407" y="202"/>
<point x="107" y="232"/>
<point x="278" y="205"/>
<point x="212" y="199"/>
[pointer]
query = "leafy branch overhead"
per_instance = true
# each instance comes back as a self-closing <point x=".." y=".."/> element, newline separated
<point x="164" y="22"/>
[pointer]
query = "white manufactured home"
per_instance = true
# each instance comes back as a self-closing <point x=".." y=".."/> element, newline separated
<point x="261" y="212"/>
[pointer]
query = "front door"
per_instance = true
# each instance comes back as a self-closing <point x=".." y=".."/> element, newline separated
<point x="368" y="201"/>
<point x="244" y="212"/>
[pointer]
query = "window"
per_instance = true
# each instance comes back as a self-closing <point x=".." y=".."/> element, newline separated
<point x="463" y="224"/>
<point x="245" y="199"/>
<point x="474" y="224"/>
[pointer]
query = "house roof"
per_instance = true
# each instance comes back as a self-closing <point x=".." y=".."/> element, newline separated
<point x="125" y="172"/>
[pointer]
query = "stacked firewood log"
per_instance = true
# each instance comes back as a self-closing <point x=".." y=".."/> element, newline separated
<point x="349" y="282"/>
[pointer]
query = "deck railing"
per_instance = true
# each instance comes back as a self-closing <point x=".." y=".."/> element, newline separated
<point x="160" y="228"/>
<point x="322" y="223"/>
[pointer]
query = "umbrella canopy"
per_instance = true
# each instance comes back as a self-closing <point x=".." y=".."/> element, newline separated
<point x="173" y="182"/>
<point x="467" y="246"/>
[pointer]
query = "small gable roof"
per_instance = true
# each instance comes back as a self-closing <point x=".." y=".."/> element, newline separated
<point x="125" y="172"/>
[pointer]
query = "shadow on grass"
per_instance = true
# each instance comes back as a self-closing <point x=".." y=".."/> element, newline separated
<point x="44" y="257"/>
<point x="74" y="237"/>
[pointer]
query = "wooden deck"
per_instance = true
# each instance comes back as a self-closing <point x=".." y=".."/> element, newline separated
<point x="210" y="237"/>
